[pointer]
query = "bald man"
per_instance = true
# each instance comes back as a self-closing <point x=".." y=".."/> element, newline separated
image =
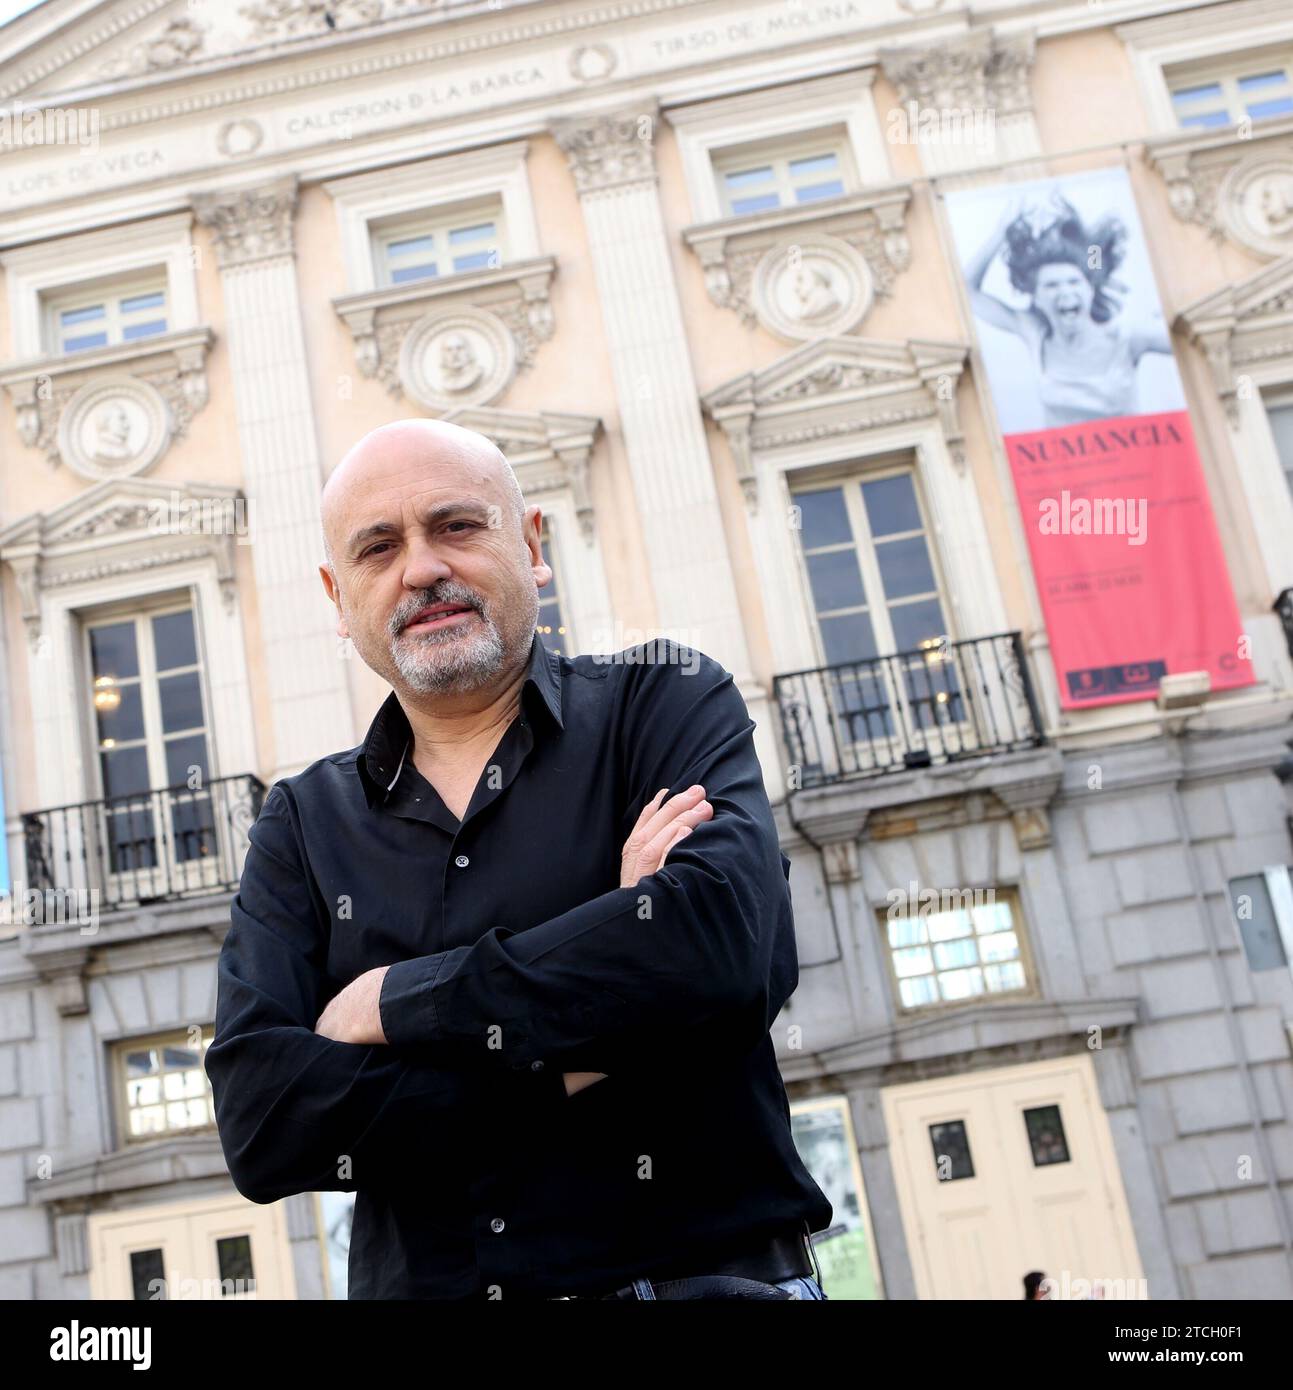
<point x="506" y="970"/>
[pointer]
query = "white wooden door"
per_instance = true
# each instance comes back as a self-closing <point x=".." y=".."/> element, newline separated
<point x="221" y="1248"/>
<point x="1006" y="1171"/>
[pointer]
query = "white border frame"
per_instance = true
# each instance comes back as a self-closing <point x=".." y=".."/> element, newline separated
<point x="782" y="113"/>
<point x="957" y="534"/>
<point x="361" y="199"/>
<point x="100" y="256"/>
<point x="64" y="776"/>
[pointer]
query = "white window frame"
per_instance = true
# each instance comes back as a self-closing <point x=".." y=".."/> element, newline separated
<point x="438" y="223"/>
<point x="779" y="153"/>
<point x="1226" y="72"/>
<point x="369" y="202"/>
<point x="1163" y="48"/>
<point x="111" y="294"/>
<point x="849" y="481"/>
<point x="39" y="276"/>
<point x="791" y="113"/>
<point x="120" y="1047"/>
<point x="1008" y="894"/>
<point x="956" y="533"/>
<point x="64" y="773"/>
<point x="1279" y="398"/>
<point x="561" y="599"/>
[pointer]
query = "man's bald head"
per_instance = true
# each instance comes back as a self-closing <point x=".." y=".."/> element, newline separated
<point x="434" y="560"/>
<point x="413" y="444"/>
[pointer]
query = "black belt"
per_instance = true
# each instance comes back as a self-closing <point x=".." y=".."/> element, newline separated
<point x="784" y="1256"/>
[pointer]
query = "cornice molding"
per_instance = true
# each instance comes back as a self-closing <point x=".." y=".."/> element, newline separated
<point x="730" y="251"/>
<point x="173" y="365"/>
<point x="1242" y="325"/>
<point x="380" y="320"/>
<point x="838" y="386"/>
<point x="410" y="53"/>
<point x="114" y="527"/>
<point x="1204" y="172"/>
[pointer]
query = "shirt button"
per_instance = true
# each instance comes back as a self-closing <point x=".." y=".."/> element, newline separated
<point x="496" y="1225"/>
<point x="462" y="861"/>
<point x="536" y="1066"/>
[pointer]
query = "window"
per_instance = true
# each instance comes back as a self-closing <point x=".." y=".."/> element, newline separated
<point x="448" y="242"/>
<point x="93" y="317"/>
<point x="876" y="596"/>
<point x="162" y="1086"/>
<point x="1280" y="415"/>
<point x="148" y="706"/>
<point x="964" y="946"/>
<point x="760" y="178"/>
<point x="1263" y="911"/>
<point x="552" y="629"/>
<point x="1257" y="90"/>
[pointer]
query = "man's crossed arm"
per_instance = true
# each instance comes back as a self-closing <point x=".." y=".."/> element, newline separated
<point x="700" y="948"/>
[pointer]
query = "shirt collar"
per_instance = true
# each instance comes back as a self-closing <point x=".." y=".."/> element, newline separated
<point x="388" y="742"/>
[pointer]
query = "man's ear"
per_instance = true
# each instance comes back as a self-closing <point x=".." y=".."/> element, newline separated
<point x="542" y="571"/>
<point x="333" y="591"/>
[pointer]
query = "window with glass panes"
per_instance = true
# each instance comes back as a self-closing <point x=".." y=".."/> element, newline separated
<point x="552" y="629"/>
<point x="79" y="321"/>
<point x="878" y="604"/>
<point x="1258" y="90"/>
<point x="163" y="1085"/>
<point x="440" y="244"/>
<point x="148" y="705"/>
<point x="1279" y="411"/>
<point x="783" y="176"/>
<point x="956" y="952"/>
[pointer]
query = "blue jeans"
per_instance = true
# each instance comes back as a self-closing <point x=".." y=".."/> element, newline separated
<point x="801" y="1287"/>
<point x="804" y="1287"/>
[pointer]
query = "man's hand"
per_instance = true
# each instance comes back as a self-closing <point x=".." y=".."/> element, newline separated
<point x="353" y="1016"/>
<point x="658" y="829"/>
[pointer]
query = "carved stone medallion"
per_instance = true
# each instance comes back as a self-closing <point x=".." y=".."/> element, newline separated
<point x="114" y="428"/>
<point x="457" y="357"/>
<point x="1256" y="201"/>
<point x="812" y="287"/>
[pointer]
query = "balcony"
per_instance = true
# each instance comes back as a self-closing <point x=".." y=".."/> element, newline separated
<point x="157" y="846"/>
<point x="945" y="701"/>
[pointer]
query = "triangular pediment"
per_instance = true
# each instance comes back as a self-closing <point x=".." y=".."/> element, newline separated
<point x="840" y="368"/>
<point x="525" y="435"/>
<point x="115" y="510"/>
<point x="1264" y="296"/>
<point x="68" y="46"/>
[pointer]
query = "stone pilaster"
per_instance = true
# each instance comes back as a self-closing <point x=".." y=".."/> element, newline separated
<point x="966" y="101"/>
<point x="309" y="697"/>
<point x="612" y="159"/>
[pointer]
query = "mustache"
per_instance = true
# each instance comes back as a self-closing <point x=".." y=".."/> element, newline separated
<point x="409" y="607"/>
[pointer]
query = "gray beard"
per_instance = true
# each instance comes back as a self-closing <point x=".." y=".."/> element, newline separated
<point x="466" y="663"/>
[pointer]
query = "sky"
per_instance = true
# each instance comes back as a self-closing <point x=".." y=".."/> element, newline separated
<point x="11" y="9"/>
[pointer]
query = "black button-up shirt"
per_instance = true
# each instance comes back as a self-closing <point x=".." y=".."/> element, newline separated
<point x="515" y="956"/>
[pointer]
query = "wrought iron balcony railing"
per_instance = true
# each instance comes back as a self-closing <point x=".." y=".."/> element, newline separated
<point x="156" y="846"/>
<point x="944" y="701"/>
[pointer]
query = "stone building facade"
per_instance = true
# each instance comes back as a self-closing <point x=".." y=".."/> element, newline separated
<point x="691" y="265"/>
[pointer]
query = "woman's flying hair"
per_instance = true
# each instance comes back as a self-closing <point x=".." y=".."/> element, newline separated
<point x="1066" y="238"/>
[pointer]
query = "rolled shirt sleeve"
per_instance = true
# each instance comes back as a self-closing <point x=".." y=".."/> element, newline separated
<point x="296" y="1111"/>
<point x="703" y="947"/>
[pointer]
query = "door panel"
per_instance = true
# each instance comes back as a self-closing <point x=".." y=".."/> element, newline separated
<point x="1046" y="1197"/>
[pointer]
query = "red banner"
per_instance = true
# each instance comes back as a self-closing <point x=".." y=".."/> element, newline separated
<point x="1127" y="558"/>
<point x="1125" y="549"/>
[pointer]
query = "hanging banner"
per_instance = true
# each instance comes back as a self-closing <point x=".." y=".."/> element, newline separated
<point x="1120" y="528"/>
